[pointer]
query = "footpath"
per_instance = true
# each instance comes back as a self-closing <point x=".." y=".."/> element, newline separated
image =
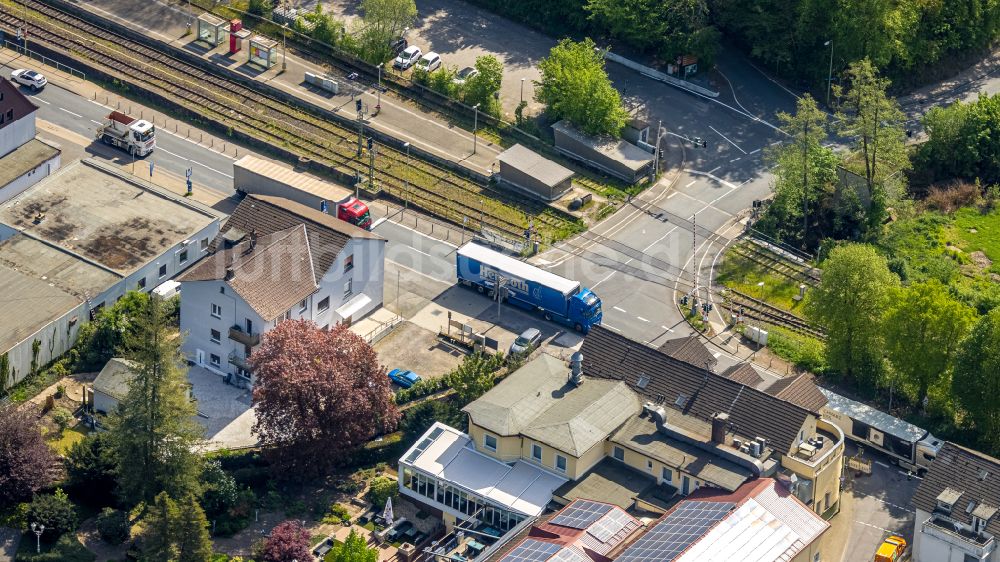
<point x="399" y="118"/>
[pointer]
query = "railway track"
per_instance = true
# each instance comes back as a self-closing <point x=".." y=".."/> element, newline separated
<point x="737" y="303"/>
<point x="800" y="273"/>
<point x="296" y="129"/>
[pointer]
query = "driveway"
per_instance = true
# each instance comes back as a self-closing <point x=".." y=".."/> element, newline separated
<point x="223" y="410"/>
<point x="881" y="506"/>
<point x="9" y="539"/>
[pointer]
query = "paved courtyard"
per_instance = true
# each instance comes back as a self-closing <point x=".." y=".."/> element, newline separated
<point x="223" y="410"/>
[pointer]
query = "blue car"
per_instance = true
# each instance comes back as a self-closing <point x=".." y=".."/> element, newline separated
<point x="404" y="378"/>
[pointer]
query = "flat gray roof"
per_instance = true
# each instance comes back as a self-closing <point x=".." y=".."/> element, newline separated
<point x="105" y="215"/>
<point x="621" y="151"/>
<point x="55" y="266"/>
<point x="534" y="165"/>
<point x="874" y="418"/>
<point x="27" y="305"/>
<point x="25" y="158"/>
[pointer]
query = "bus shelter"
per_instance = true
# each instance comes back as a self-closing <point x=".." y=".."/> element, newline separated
<point x="263" y="51"/>
<point x="211" y="29"/>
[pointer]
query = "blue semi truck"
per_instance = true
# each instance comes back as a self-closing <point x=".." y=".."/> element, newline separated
<point x="528" y="287"/>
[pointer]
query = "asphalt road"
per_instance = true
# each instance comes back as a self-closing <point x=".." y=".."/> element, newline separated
<point x="82" y="116"/>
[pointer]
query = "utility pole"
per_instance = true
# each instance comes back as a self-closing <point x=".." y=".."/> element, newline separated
<point x="694" y="263"/>
<point x="361" y="123"/>
<point x="829" y="76"/>
<point x="656" y="153"/>
<point x="284" y="49"/>
<point x="378" y="104"/>
<point x="475" y="126"/>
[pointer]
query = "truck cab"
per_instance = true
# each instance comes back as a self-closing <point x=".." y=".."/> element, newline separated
<point x="927" y="450"/>
<point x="354" y="211"/>
<point x="585" y="309"/>
<point x="143" y="137"/>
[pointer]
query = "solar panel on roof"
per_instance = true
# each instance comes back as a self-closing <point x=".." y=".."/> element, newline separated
<point x="609" y="525"/>
<point x="674" y="534"/>
<point x="580" y="514"/>
<point x="531" y="550"/>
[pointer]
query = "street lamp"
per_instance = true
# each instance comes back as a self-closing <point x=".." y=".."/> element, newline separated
<point x="829" y="76"/>
<point x="284" y="49"/>
<point x="406" y="188"/>
<point x="522" y="90"/>
<point x="475" y="127"/>
<point x="38" y="529"/>
<point x="378" y="103"/>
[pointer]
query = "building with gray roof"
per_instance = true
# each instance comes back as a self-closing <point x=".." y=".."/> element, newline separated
<point x="77" y="241"/>
<point x="614" y="157"/>
<point x="529" y="172"/>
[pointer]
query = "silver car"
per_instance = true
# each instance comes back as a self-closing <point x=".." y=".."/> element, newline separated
<point x="527" y="341"/>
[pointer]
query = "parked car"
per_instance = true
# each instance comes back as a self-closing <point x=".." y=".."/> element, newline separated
<point x="404" y="378"/>
<point x="408" y="57"/>
<point x="397" y="45"/>
<point x="429" y="62"/>
<point x="527" y="341"/>
<point x="465" y="74"/>
<point x="891" y="550"/>
<point x="29" y="78"/>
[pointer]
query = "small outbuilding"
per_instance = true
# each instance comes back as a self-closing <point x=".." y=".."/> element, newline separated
<point x="263" y="51"/>
<point x="615" y="157"/>
<point x="111" y="385"/>
<point x="529" y="172"/>
<point x="212" y="29"/>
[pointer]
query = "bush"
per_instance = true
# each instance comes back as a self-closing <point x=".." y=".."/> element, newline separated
<point x="381" y="489"/>
<point x="804" y="352"/>
<point x="336" y="514"/>
<point x="62" y="418"/>
<point x="56" y="512"/>
<point x="348" y="486"/>
<point x="425" y="387"/>
<point x="66" y="549"/>
<point x="113" y="526"/>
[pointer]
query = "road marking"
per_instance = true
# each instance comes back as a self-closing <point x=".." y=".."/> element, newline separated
<point x="610" y="327"/>
<point x="620" y="309"/>
<point x="727" y="139"/>
<point x="692" y="183"/>
<point x="194" y="162"/>
<point x="423" y="234"/>
<point x="397" y="264"/>
<point x="710" y="175"/>
<point x="641" y="318"/>
<point x="735" y="160"/>
<point x="594" y="286"/>
<point x="41" y="100"/>
<point x="667" y="329"/>
<point x="671" y="195"/>
<point x="874" y="527"/>
<point x="379" y="221"/>
<point x="910" y="475"/>
<point x="96" y="122"/>
<point x="71" y="113"/>
<point x="892" y="505"/>
<point x="882" y="464"/>
<point x="655" y="242"/>
<point x="755" y="151"/>
<point x="714" y="169"/>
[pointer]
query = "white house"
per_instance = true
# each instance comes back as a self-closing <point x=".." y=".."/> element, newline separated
<point x="275" y="260"/>
<point x="956" y="508"/>
<point x="111" y="385"/>
<point x="24" y="159"/>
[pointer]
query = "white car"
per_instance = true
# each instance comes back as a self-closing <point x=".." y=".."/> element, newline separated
<point x="429" y="62"/>
<point x="29" y="78"/>
<point x="408" y="57"/>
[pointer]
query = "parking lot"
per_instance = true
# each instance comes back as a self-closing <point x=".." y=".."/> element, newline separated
<point x="881" y="506"/>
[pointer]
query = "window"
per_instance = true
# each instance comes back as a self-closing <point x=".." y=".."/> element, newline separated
<point x="163" y="271"/>
<point x="10" y="114"/>
<point x="649" y="465"/>
<point x="216" y="310"/>
<point x="222" y="290"/>
<point x="216" y="336"/>
<point x="667" y="475"/>
<point x="303" y="305"/>
<point x="141" y="284"/>
<point x="560" y="463"/>
<point x="323" y="305"/>
<point x="249" y="323"/>
<point x="183" y="256"/>
<point x="348" y="288"/>
<point x="204" y="244"/>
<point x="536" y="452"/>
<point x="618" y="453"/>
<point x="489" y="442"/>
<point x="348" y="263"/>
<point x="215" y="360"/>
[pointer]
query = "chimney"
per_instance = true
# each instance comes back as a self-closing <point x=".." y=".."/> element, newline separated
<point x="253" y="239"/>
<point x="719" y="424"/>
<point x="576" y="369"/>
<point x="230" y="273"/>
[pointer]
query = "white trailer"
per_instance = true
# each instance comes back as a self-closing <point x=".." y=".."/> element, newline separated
<point x="907" y="445"/>
<point x="135" y="136"/>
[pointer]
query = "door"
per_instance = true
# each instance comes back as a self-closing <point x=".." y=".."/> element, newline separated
<point x="199" y="357"/>
<point x="685" y="486"/>
<point x="249" y="326"/>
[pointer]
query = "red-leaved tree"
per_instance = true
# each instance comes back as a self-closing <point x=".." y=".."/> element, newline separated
<point x="318" y="395"/>
<point x="27" y="463"/>
<point x="289" y="541"/>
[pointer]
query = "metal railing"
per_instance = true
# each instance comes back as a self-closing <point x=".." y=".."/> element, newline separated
<point x="12" y="45"/>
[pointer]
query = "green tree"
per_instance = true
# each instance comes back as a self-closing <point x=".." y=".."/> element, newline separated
<point x="354" y="549"/>
<point x="418" y="419"/>
<point x="113" y="526"/>
<point x="99" y="340"/>
<point x="381" y="489"/>
<point x="190" y="530"/>
<point x="475" y="375"/>
<point x="669" y="28"/>
<point x="157" y="530"/>
<point x="805" y="175"/>
<point x="923" y="329"/>
<point x="154" y="431"/>
<point x="976" y="379"/>
<point x="5" y="375"/>
<point x="576" y="87"/>
<point x="850" y="302"/>
<point x="56" y="512"/>
<point x="483" y="88"/>
<point x="875" y="123"/>
<point x="962" y="141"/>
<point x="90" y="469"/>
<point x="383" y="21"/>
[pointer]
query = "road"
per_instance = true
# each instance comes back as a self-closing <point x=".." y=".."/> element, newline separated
<point x="175" y="154"/>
